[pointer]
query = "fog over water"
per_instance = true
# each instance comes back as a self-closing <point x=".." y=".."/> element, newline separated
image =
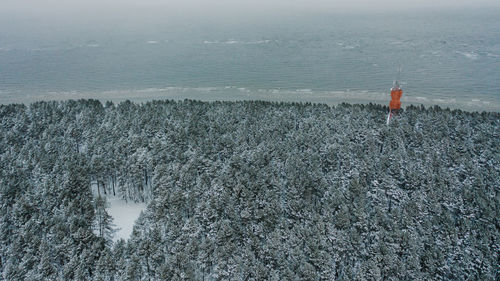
<point x="221" y="6"/>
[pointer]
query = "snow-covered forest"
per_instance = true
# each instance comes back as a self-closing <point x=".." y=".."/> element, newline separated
<point x="249" y="191"/>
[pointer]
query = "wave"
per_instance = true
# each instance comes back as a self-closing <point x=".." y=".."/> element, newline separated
<point x="237" y="42"/>
<point x="62" y="48"/>
<point x="46" y="49"/>
<point x="346" y="46"/>
<point x="469" y="55"/>
<point x="436" y="53"/>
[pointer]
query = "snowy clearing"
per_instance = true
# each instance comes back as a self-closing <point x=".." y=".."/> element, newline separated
<point x="124" y="216"/>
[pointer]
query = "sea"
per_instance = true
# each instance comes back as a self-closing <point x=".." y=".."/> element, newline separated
<point x="445" y="58"/>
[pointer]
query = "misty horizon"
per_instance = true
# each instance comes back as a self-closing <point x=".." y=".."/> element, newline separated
<point x="223" y="8"/>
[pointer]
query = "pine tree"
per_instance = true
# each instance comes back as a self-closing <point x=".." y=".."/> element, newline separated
<point x="103" y="224"/>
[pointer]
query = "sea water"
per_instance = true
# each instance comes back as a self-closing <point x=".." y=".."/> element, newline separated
<point x="445" y="58"/>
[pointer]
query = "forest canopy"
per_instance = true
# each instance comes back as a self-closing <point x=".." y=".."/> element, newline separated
<point x="249" y="191"/>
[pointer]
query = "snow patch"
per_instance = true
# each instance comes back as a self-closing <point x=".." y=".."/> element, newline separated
<point x="124" y="216"/>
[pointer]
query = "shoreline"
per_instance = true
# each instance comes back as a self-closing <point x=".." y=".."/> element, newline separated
<point x="230" y="93"/>
<point x="210" y="94"/>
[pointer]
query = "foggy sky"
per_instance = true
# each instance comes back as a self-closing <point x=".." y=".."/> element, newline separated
<point x="18" y="15"/>
<point x="227" y="6"/>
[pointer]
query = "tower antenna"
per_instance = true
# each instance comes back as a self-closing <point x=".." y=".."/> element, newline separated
<point x="399" y="72"/>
